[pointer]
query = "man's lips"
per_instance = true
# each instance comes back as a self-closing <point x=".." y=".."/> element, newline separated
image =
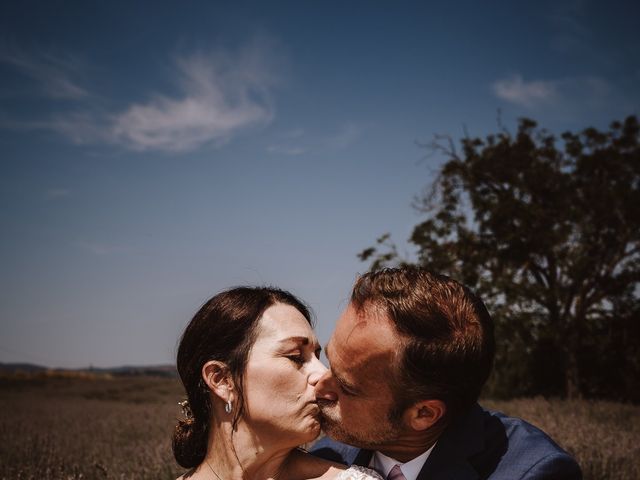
<point x="324" y="403"/>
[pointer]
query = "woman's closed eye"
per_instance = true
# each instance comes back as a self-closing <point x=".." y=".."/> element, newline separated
<point x="297" y="358"/>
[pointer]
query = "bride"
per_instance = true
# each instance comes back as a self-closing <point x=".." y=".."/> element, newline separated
<point x="248" y="361"/>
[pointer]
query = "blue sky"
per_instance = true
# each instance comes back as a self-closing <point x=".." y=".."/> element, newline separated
<point x="154" y="153"/>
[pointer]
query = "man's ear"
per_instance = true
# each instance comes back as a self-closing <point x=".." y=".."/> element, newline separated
<point x="217" y="378"/>
<point x="424" y="414"/>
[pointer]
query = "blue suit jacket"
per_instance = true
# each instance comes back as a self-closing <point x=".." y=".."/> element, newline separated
<point x="479" y="445"/>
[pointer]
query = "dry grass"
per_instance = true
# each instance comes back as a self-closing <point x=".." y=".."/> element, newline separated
<point x="97" y="427"/>
<point x="602" y="436"/>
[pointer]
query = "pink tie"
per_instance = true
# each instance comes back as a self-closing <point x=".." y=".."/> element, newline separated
<point x="396" y="474"/>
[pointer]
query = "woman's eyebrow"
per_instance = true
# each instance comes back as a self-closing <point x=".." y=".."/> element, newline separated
<point x="300" y="340"/>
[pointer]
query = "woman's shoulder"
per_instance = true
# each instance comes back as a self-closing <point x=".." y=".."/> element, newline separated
<point x="356" y="472"/>
<point x="310" y="467"/>
<point x="188" y="474"/>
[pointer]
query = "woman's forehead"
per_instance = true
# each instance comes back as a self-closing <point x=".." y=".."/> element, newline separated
<point x="281" y="322"/>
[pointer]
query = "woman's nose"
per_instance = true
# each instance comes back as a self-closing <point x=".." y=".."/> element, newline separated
<point x="317" y="371"/>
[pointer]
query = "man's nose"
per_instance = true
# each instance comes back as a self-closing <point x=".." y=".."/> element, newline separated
<point x="325" y="388"/>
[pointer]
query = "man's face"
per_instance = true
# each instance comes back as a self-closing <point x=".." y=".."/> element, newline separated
<point x="355" y="396"/>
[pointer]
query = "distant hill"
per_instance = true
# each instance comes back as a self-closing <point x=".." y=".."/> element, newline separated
<point x="21" y="367"/>
<point x="168" y="371"/>
<point x="133" y="370"/>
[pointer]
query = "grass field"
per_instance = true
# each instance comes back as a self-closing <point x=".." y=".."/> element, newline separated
<point x="98" y="427"/>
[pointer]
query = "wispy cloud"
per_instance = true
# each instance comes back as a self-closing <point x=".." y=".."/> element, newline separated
<point x="286" y="150"/>
<point x="53" y="72"/>
<point x="298" y="141"/>
<point x="295" y="133"/>
<point x="98" y="248"/>
<point x="575" y="34"/>
<point x="218" y="94"/>
<point x="569" y="94"/>
<point x="55" y="193"/>
<point x="515" y="90"/>
<point x="567" y="18"/>
<point x="291" y="142"/>
<point x="348" y="134"/>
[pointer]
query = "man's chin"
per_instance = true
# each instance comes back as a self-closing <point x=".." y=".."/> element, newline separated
<point x="340" y="435"/>
<point x="336" y="432"/>
<point x="328" y="425"/>
<point x="335" y="429"/>
<point x="332" y="427"/>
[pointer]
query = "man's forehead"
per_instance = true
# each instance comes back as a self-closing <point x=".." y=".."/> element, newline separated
<point x="362" y="352"/>
<point x="365" y="334"/>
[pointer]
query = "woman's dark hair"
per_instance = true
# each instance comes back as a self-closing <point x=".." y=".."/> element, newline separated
<point x="224" y="329"/>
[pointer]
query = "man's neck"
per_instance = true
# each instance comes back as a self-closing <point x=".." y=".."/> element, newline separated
<point x="409" y="445"/>
<point x="411" y="469"/>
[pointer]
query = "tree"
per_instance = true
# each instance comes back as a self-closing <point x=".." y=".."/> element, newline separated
<point x="546" y="230"/>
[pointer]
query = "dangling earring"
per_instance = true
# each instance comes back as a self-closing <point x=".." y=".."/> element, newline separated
<point x="228" y="407"/>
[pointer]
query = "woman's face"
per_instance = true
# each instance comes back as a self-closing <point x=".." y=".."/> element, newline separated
<point x="282" y="370"/>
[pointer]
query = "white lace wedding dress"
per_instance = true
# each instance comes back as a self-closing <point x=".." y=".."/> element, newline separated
<point x="356" y="472"/>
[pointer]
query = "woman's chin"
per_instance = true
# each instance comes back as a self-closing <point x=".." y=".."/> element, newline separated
<point x="311" y="430"/>
<point x="312" y="435"/>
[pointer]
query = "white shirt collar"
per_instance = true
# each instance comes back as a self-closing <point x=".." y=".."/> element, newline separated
<point x="383" y="464"/>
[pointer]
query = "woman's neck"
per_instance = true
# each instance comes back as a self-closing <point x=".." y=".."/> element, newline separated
<point x="240" y="455"/>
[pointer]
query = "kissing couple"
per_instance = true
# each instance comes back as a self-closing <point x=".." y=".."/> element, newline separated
<point x="408" y="359"/>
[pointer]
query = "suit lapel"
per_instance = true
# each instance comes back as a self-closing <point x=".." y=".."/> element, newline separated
<point x="449" y="459"/>
<point x="362" y="457"/>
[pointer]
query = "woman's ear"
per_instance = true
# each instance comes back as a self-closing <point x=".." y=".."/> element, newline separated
<point x="217" y="378"/>
<point x="424" y="414"/>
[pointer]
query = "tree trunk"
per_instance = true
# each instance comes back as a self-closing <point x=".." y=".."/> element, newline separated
<point x="572" y="374"/>
<point x="572" y="346"/>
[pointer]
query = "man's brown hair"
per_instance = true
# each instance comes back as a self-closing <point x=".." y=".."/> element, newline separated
<point x="447" y="334"/>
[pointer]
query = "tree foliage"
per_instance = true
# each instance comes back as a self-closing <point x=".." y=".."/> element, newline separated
<point x="547" y="231"/>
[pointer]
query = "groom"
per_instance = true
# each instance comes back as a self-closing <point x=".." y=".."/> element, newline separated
<point x="408" y="358"/>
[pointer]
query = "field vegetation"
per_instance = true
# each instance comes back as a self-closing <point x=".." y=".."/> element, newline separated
<point x="601" y="435"/>
<point x="87" y="427"/>
<point x="104" y="427"/>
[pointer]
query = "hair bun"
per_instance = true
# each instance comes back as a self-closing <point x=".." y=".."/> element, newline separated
<point x="189" y="443"/>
